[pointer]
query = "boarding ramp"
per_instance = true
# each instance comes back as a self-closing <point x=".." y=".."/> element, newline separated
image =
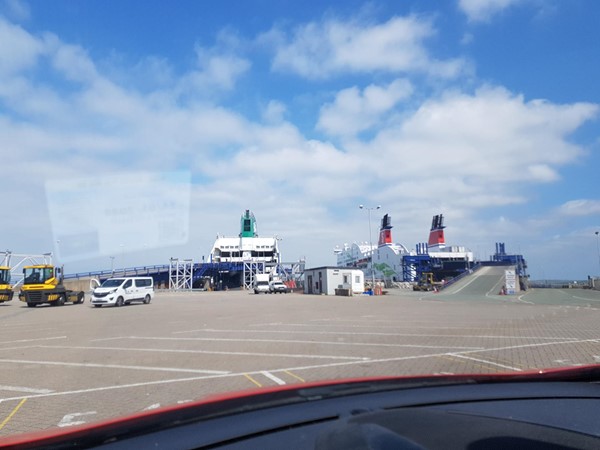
<point x="486" y="281"/>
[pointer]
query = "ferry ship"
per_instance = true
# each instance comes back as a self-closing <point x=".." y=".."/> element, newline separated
<point x="247" y="246"/>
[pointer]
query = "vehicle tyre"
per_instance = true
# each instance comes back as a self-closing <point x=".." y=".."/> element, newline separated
<point x="119" y="302"/>
<point x="147" y="299"/>
<point x="61" y="300"/>
<point x="80" y="298"/>
<point x="97" y="306"/>
<point x="31" y="305"/>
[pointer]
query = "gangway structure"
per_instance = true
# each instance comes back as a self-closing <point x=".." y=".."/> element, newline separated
<point x="250" y="270"/>
<point x="16" y="262"/>
<point x="181" y="274"/>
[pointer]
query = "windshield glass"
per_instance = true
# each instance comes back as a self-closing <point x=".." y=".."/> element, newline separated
<point x="317" y="190"/>
<point x="4" y="276"/>
<point x="113" y="282"/>
<point x="35" y="275"/>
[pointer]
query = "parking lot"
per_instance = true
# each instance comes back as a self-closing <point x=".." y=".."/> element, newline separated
<point x="63" y="366"/>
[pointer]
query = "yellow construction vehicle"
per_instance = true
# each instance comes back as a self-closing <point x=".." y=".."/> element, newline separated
<point x="427" y="283"/>
<point x="6" y="289"/>
<point x="43" y="283"/>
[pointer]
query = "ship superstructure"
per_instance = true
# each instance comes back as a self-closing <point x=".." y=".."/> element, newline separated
<point x="394" y="262"/>
<point x="247" y="246"/>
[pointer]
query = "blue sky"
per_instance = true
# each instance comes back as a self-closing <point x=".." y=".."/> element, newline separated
<point x="486" y="111"/>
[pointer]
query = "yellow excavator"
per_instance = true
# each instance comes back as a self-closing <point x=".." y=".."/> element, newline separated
<point x="43" y="283"/>
<point x="6" y="289"/>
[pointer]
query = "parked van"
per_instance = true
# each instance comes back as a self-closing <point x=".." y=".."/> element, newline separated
<point x="122" y="291"/>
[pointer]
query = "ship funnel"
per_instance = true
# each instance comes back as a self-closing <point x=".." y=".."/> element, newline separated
<point x="248" y="225"/>
<point x="385" y="232"/>
<point x="436" y="235"/>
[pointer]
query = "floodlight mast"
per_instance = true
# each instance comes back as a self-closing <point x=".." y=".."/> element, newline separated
<point x="369" y="209"/>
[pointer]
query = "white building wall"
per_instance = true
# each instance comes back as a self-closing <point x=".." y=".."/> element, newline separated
<point x="325" y="280"/>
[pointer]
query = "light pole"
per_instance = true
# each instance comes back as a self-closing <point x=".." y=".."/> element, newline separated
<point x="58" y="256"/>
<point x="598" y="248"/>
<point x="369" y="209"/>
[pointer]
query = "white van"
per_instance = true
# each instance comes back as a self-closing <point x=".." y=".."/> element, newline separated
<point x="122" y="291"/>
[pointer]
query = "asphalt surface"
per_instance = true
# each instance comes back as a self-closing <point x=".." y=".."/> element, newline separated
<point x="62" y="366"/>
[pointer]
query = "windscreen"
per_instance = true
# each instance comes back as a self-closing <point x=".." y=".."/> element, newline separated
<point x="291" y="192"/>
<point x="113" y="282"/>
<point x="4" y="276"/>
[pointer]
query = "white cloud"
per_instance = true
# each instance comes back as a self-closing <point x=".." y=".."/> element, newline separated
<point x="219" y="66"/>
<point x="18" y="49"/>
<point x="483" y="10"/>
<point x="274" y="112"/>
<point x="353" y="111"/>
<point x="464" y="152"/>
<point x="580" y="207"/>
<point x="324" y="49"/>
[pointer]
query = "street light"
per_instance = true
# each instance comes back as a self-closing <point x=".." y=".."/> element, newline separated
<point x="369" y="209"/>
<point x="598" y="248"/>
<point x="58" y="256"/>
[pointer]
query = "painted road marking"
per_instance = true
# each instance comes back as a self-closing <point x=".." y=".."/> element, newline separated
<point x="13" y="412"/>
<point x="495" y="289"/>
<point x="287" y="369"/>
<point x="68" y="419"/>
<point x="252" y="380"/>
<point x="25" y="389"/>
<point x="302" y="380"/>
<point x="153" y="406"/>
<point x="393" y="327"/>
<point x="209" y="352"/>
<point x="33" y="340"/>
<point x="270" y="376"/>
<point x="485" y="361"/>
<point x="520" y="298"/>
<point x="354" y="333"/>
<point x="587" y="299"/>
<point x="292" y="341"/>
<point x="110" y="366"/>
<point x="475" y="275"/>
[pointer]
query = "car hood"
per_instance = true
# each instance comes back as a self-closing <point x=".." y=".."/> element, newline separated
<point x="230" y="404"/>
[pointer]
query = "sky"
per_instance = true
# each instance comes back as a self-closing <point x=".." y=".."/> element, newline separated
<point x="134" y="132"/>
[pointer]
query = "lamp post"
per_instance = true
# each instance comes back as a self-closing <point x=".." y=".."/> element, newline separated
<point x="58" y="256"/>
<point x="598" y="248"/>
<point x="369" y="209"/>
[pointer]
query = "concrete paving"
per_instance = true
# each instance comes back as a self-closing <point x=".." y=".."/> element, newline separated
<point x="62" y="366"/>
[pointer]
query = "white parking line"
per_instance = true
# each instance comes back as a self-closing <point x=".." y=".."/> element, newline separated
<point x="321" y="366"/>
<point x="110" y="366"/>
<point x="277" y="380"/>
<point x="354" y="333"/>
<point x="208" y="352"/>
<point x="290" y="341"/>
<point x="34" y="340"/>
<point x="487" y="362"/>
<point x="25" y="389"/>
<point x="393" y="327"/>
<point x="586" y="299"/>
